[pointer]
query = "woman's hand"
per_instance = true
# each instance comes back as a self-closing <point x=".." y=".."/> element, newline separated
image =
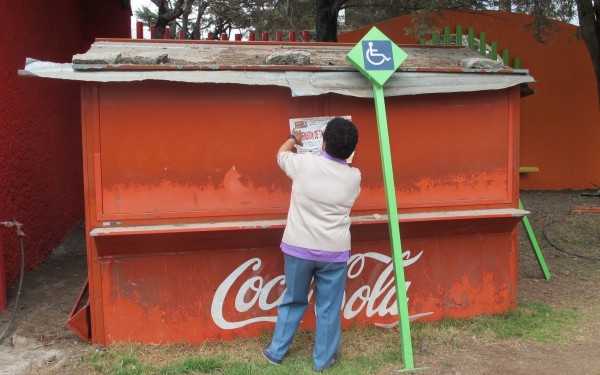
<point x="298" y="135"/>
<point x="288" y="145"/>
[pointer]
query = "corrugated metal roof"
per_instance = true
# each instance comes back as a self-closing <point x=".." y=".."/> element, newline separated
<point x="426" y="70"/>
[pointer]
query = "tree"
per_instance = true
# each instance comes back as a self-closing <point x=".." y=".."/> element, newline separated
<point x="222" y="16"/>
<point x="167" y="13"/>
<point x="588" y="12"/>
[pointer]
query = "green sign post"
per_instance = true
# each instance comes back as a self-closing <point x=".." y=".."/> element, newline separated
<point x="377" y="58"/>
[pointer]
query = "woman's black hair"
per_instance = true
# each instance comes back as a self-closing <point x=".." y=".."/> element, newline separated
<point x="341" y="136"/>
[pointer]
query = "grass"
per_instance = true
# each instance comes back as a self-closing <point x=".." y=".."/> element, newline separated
<point x="365" y="350"/>
<point x="531" y="321"/>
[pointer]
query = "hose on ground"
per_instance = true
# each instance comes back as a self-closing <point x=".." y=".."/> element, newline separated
<point x="563" y="250"/>
<point x="21" y="235"/>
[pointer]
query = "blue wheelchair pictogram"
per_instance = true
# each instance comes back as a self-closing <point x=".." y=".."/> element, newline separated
<point x="378" y="55"/>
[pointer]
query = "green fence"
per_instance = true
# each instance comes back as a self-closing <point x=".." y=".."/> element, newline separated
<point x="469" y="40"/>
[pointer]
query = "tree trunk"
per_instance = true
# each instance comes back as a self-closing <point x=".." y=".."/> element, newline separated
<point x="505" y="5"/>
<point x="327" y="19"/>
<point x="589" y="24"/>
<point x="187" y="9"/>
<point x="196" y="29"/>
<point x="166" y="15"/>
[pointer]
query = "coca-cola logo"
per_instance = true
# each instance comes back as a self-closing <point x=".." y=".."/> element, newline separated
<point x="375" y="299"/>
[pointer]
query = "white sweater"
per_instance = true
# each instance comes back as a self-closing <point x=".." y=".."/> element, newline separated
<point x="323" y="192"/>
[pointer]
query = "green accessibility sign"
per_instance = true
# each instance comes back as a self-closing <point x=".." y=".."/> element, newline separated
<point x="376" y="57"/>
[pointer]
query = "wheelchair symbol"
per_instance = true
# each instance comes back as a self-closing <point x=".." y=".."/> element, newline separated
<point x="374" y="57"/>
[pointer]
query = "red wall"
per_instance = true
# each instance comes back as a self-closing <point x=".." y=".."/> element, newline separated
<point x="560" y="124"/>
<point x="41" y="183"/>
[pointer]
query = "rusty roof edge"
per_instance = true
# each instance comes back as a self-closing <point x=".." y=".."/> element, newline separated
<point x="270" y="43"/>
<point x="301" y="83"/>
<point x="212" y="67"/>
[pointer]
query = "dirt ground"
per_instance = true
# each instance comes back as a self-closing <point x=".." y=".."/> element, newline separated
<point x="39" y="342"/>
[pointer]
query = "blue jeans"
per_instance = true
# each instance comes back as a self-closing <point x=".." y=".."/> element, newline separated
<point x="330" y="280"/>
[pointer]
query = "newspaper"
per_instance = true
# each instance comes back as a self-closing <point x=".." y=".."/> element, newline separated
<point x="312" y="129"/>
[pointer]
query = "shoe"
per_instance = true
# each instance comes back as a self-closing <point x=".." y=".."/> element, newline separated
<point x="331" y="363"/>
<point x="269" y="357"/>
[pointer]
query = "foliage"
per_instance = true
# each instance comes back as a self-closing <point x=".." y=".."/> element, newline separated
<point x="147" y="16"/>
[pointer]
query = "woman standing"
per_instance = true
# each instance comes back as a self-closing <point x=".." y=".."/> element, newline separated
<point x="316" y="240"/>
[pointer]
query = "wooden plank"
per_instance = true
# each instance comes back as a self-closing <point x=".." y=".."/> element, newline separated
<point x="591" y="209"/>
<point x="482" y="44"/>
<point x="506" y="57"/>
<point x="471" y="38"/>
<point x="447" y="35"/>
<point x="494" y="55"/>
<point x="526" y="169"/>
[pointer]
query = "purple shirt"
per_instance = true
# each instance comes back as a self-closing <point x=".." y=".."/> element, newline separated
<point x="327" y="156"/>
<point x="313" y="254"/>
<point x="316" y="255"/>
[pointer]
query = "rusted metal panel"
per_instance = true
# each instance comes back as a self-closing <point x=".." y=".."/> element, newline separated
<point x="174" y="291"/>
<point x="80" y="318"/>
<point x="165" y="175"/>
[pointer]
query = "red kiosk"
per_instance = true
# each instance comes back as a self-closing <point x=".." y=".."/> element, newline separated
<point x="185" y="205"/>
